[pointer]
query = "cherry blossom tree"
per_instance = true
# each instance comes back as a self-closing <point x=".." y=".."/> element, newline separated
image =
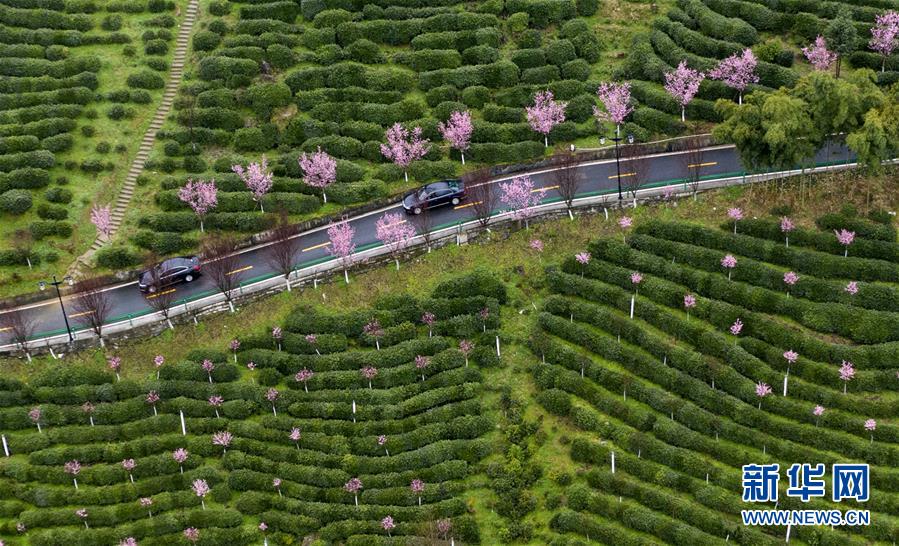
<point x="444" y="527"/>
<point x="304" y="376"/>
<point x="521" y="197"/>
<point x="147" y="502"/>
<point x="82" y="513"/>
<point x="223" y="439"/>
<point x="682" y="84"/>
<point x="382" y="441"/>
<point x="582" y="258"/>
<point x="88" y="408"/>
<point x="208" y="367"/>
<point x="158" y="361"/>
<point x="729" y="262"/>
<point x="845" y="238"/>
<point x="35" y="415"/>
<point x="152" y="398"/>
<point x="536" y="245"/>
<point x="786" y="226"/>
<point x="791" y="357"/>
<point x="200" y="196"/>
<point x="737" y="71"/>
<point x="418" y="487"/>
<point x="319" y="170"/>
<point x="102" y="220"/>
<point x="342" y="245"/>
<point x="312" y="339"/>
<point x="636" y="279"/>
<point x="616" y="98"/>
<point x="884" y="35"/>
<point x="871" y="426"/>
<point x="457" y="131"/>
<point x="115" y="364"/>
<point x="373" y="329"/>
<point x="276" y="483"/>
<point x="234" y="345"/>
<point x="404" y="147"/>
<point x="847" y="373"/>
<point x="851" y="288"/>
<point x="625" y="223"/>
<point x="192" y="534"/>
<point x="257" y="178"/>
<point x="277" y="335"/>
<point x="73" y="468"/>
<point x="129" y="465"/>
<point x="354" y="486"/>
<point x="272" y="396"/>
<point x="128" y="541"/>
<point x="484" y="314"/>
<point x="818" y="55"/>
<point x="395" y="233"/>
<point x="369" y="373"/>
<point x="263" y="528"/>
<point x="790" y="279"/>
<point x="545" y="114"/>
<point x="251" y="366"/>
<point x="736" y="328"/>
<point x="421" y="363"/>
<point x="428" y="318"/>
<point x="735" y="214"/>
<point x="295" y="436"/>
<point x="689" y="303"/>
<point x="180" y="455"/>
<point x="762" y="390"/>
<point x="201" y="489"/>
<point x="216" y="402"/>
<point x="387" y="524"/>
<point x="818" y="412"/>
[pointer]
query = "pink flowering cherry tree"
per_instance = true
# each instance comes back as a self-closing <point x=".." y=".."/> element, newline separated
<point x="115" y="364"/>
<point x="369" y="373"/>
<point x="128" y="541"/>
<point x="418" y="487"/>
<point x="342" y="246"/>
<point x="682" y="84"/>
<point x="147" y="502"/>
<point x="295" y="436"/>
<point x="82" y="513"/>
<point x="222" y="439"/>
<point x="762" y="390"/>
<point x="257" y="178"/>
<point x="737" y="71"/>
<point x="421" y="363"/>
<point x="484" y="314"/>
<point x="729" y="263"/>
<point x="736" y="328"/>
<point x="312" y="340"/>
<point x="818" y="55"/>
<point x="545" y="114"/>
<point x="88" y="408"/>
<point x="277" y="335"/>
<point x="735" y="214"/>
<point x="200" y="196"/>
<point x="382" y="441"/>
<point x="395" y="233"/>
<point x="851" y="288"/>
<point x="373" y="329"/>
<point x="403" y="147"/>
<point x="625" y="223"/>
<point x="276" y="483"/>
<point x="845" y="238"/>
<point x="457" y="131"/>
<point x="847" y="373"/>
<point x="388" y="524"/>
<point x="35" y="415"/>
<point x="158" y="361"/>
<point x="790" y="279"/>
<point x="616" y="99"/>
<point x="466" y="347"/>
<point x="201" y="489"/>
<point x="102" y="220"/>
<point x="689" y="303"/>
<point x="234" y="345"/>
<point x="521" y="197"/>
<point x="885" y="35"/>
<point x="428" y="318"/>
<point x="192" y="534"/>
<point x="129" y="465"/>
<point x="152" y="398"/>
<point x="180" y="455"/>
<point x="208" y="367"/>
<point x="303" y="376"/>
<point x="582" y="258"/>
<point x="319" y="170"/>
<point x="354" y="486"/>
<point x="73" y="468"/>
<point x="871" y="426"/>
<point x="818" y="412"/>
<point x="272" y="396"/>
<point x="791" y="357"/>
<point x="786" y="226"/>
<point x="444" y="527"/>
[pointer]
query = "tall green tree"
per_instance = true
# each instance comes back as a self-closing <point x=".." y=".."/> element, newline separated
<point x="878" y="138"/>
<point x="841" y="36"/>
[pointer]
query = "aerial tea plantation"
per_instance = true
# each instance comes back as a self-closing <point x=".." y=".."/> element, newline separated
<point x="758" y="342"/>
<point x="354" y="428"/>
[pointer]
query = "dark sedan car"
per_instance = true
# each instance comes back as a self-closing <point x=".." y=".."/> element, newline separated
<point x="171" y="271"/>
<point x="437" y="194"/>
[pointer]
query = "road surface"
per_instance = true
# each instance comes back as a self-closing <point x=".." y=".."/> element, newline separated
<point x="596" y="178"/>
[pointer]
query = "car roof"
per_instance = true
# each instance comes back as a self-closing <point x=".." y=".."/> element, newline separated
<point x="176" y="262"/>
<point x="443" y="185"/>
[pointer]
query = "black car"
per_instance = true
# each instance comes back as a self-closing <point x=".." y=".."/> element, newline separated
<point x="437" y="194"/>
<point x="171" y="271"/>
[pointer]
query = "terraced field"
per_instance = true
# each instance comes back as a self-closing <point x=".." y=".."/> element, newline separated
<point x="322" y="405"/>
<point x="668" y="388"/>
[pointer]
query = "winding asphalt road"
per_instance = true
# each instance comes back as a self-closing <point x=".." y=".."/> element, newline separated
<point x="597" y="178"/>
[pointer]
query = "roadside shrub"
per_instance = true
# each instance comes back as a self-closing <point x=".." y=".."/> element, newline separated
<point x="117" y="257"/>
<point x="15" y="201"/>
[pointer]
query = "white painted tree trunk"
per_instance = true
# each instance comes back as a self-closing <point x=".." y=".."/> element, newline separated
<point x="324" y="197"/>
<point x="5" y="446"/>
<point x="346" y="276"/>
<point x="183" y="425"/>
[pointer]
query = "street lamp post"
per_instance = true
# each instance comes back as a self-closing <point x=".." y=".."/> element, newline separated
<point x="616" y="139"/>
<point x="67" y="280"/>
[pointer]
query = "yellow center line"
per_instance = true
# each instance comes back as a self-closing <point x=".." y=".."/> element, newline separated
<point x="82" y="314"/>
<point x="316" y="246"/>
<point x="247" y="268"/>
<point x="457" y="207"/>
<point x="544" y="188"/>
<point x="712" y="164"/>
<point x="156" y="295"/>
<point x="622" y="175"/>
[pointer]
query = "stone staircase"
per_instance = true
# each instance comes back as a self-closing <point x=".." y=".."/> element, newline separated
<point x="146" y="144"/>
